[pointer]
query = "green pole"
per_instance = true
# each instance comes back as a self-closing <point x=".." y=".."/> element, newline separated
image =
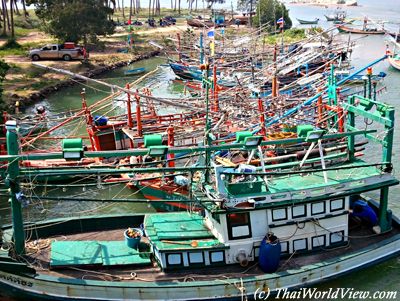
<point x="384" y="221"/>
<point x="12" y="182"/>
<point x="351" y="120"/>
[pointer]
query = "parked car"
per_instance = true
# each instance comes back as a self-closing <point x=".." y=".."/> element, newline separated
<point x="67" y="51"/>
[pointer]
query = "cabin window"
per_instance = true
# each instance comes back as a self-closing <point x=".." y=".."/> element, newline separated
<point x="216" y="217"/>
<point x="299" y="211"/>
<point x="217" y="257"/>
<point x="256" y="251"/>
<point x="238" y="225"/>
<point x="318" y="241"/>
<point x="317" y="208"/>
<point x="337" y="237"/>
<point x="196" y="257"/>
<point x="174" y="259"/>
<point x="337" y="205"/>
<point x="279" y="214"/>
<point x="284" y="247"/>
<point x="300" y="244"/>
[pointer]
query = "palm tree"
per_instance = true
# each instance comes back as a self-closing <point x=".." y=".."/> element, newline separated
<point x="26" y="14"/>
<point x="4" y="13"/>
<point x="12" y="19"/>
<point x="16" y="8"/>
<point x="123" y="10"/>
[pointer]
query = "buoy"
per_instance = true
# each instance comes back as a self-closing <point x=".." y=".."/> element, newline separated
<point x="270" y="254"/>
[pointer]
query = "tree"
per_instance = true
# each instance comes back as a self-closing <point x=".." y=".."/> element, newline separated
<point x="269" y="11"/>
<point x="210" y="3"/>
<point x="3" y="70"/>
<point x="75" y="20"/>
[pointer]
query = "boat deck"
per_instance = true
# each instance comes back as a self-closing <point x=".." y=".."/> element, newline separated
<point x="40" y="256"/>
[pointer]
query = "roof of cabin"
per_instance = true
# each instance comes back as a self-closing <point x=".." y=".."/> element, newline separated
<point x="309" y="186"/>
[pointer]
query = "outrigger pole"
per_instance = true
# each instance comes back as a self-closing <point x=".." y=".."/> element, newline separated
<point x="114" y="87"/>
<point x="315" y="98"/>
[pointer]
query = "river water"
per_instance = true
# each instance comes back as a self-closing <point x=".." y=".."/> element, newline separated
<point x="380" y="277"/>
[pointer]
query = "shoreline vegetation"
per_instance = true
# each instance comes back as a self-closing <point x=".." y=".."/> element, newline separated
<point x="27" y="84"/>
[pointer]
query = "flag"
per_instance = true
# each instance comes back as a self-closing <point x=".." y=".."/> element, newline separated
<point x="210" y="33"/>
<point x="212" y="48"/>
<point x="280" y="21"/>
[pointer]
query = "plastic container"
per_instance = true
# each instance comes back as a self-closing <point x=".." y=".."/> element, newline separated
<point x="270" y="254"/>
<point x="133" y="242"/>
<point x="362" y="210"/>
<point x="100" y="120"/>
<point x="246" y="168"/>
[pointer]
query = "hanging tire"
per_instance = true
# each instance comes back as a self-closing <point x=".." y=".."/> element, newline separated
<point x="67" y="57"/>
<point x="35" y="57"/>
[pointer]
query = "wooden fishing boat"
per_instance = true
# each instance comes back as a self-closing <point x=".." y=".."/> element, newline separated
<point x="347" y="29"/>
<point x="136" y="71"/>
<point x="200" y="23"/>
<point x="316" y="213"/>
<point x="308" y="21"/>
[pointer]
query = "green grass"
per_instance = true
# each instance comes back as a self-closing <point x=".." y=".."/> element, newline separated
<point x="289" y="36"/>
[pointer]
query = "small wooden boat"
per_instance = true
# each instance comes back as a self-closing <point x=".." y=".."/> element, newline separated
<point x="305" y="22"/>
<point x="346" y="29"/>
<point x="135" y="71"/>
<point x="394" y="61"/>
<point x="199" y="23"/>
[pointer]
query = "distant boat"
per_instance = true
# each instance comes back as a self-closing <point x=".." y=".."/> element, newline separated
<point x="346" y="29"/>
<point x="135" y="71"/>
<point x="308" y="22"/>
<point x="351" y="3"/>
<point x="338" y="15"/>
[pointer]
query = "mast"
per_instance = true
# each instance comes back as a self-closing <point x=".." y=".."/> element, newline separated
<point x="16" y="196"/>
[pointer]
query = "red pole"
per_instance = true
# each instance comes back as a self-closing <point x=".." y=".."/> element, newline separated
<point x="341" y="119"/>
<point x="320" y="109"/>
<point x="129" y="109"/>
<point x="262" y="116"/>
<point x="138" y="113"/>
<point x="171" y="142"/>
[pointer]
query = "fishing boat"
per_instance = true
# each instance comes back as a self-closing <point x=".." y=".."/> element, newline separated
<point x="265" y="225"/>
<point x="308" y="22"/>
<point x="338" y="15"/>
<point x="200" y="23"/>
<point x="136" y="71"/>
<point x="262" y="229"/>
<point x="347" y="29"/>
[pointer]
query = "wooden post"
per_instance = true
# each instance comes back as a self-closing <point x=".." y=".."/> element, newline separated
<point x="179" y="46"/>
<point x="129" y="109"/>
<point x="215" y="86"/>
<point x="138" y="114"/>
